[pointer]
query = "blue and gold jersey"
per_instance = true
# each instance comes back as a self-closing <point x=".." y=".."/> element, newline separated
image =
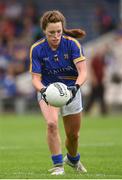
<point x="58" y="65"/>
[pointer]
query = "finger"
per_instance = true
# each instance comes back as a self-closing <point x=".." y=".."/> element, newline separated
<point x="70" y="100"/>
<point x="44" y="96"/>
<point x="70" y="87"/>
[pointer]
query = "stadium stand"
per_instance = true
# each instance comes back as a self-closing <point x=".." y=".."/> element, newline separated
<point x="19" y="22"/>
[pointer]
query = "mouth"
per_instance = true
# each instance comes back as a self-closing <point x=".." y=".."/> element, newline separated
<point x="56" y="40"/>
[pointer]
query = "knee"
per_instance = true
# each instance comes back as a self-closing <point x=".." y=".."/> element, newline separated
<point x="52" y="126"/>
<point x="73" y="136"/>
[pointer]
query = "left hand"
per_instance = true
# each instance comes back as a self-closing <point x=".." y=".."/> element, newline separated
<point x="42" y="91"/>
<point x="74" y="90"/>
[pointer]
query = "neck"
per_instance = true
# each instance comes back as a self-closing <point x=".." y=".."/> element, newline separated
<point x="53" y="47"/>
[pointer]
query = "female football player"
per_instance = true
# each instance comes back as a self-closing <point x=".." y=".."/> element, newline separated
<point x="58" y="57"/>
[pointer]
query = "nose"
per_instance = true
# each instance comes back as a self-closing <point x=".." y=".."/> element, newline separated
<point x="56" y="34"/>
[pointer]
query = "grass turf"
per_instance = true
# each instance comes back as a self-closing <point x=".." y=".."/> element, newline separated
<point x="24" y="152"/>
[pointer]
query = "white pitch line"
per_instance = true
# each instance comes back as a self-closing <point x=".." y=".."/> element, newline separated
<point x="96" y="144"/>
<point x="81" y="145"/>
<point x="12" y="147"/>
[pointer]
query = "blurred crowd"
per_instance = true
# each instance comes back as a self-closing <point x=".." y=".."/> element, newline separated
<point x="104" y="22"/>
<point x="19" y="27"/>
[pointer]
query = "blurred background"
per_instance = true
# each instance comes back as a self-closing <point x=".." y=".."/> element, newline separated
<point x="19" y="28"/>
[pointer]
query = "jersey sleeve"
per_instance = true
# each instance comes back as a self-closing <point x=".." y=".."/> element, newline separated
<point x="35" y="63"/>
<point x="77" y="52"/>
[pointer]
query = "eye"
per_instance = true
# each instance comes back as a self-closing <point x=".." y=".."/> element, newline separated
<point x="59" y="31"/>
<point x="52" y="32"/>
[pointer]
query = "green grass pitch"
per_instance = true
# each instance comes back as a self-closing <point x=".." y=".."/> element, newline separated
<point x="24" y="152"/>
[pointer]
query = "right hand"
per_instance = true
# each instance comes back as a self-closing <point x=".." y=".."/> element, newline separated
<point x="74" y="90"/>
<point x="42" y="91"/>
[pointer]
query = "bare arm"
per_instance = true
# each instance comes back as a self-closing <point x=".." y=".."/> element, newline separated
<point x="82" y="72"/>
<point x="36" y="81"/>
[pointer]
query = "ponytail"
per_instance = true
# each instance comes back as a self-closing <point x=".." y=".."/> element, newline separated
<point x="75" y="33"/>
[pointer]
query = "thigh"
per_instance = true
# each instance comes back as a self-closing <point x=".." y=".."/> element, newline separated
<point x="50" y="113"/>
<point x="74" y="107"/>
<point x="72" y="123"/>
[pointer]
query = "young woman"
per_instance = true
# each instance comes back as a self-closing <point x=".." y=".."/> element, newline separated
<point x="58" y="58"/>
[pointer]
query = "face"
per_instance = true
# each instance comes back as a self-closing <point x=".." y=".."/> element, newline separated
<point x="53" y="33"/>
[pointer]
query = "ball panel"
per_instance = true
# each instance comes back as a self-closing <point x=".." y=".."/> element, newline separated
<point x="57" y="94"/>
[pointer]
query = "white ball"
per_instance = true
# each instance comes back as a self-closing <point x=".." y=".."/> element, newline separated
<point x="57" y="94"/>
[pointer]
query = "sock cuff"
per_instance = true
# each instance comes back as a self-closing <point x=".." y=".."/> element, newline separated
<point x="75" y="159"/>
<point x="57" y="159"/>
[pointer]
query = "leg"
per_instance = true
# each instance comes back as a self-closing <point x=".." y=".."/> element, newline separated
<point x="91" y="100"/>
<point x="103" y="106"/>
<point x="72" y="127"/>
<point x="72" y="121"/>
<point x="51" y="116"/>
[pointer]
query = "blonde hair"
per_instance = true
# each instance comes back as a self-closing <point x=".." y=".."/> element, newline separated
<point x="56" y="16"/>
